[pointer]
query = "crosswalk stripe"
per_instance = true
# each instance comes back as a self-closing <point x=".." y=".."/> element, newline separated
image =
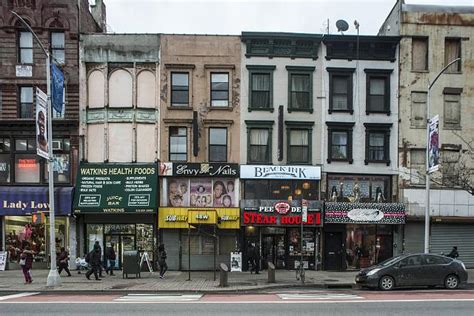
<point x="158" y="298"/>
<point x="319" y="296"/>
<point x="12" y="296"/>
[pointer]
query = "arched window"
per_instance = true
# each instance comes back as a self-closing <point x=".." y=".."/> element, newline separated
<point x="146" y="89"/>
<point x="120" y="89"/>
<point x="95" y="90"/>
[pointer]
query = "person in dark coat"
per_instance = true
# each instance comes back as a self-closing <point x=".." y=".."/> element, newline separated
<point x="63" y="262"/>
<point x="100" y="251"/>
<point x="162" y="260"/>
<point x="454" y="253"/>
<point x="254" y="258"/>
<point x="26" y="262"/>
<point x="110" y="256"/>
<point x="94" y="261"/>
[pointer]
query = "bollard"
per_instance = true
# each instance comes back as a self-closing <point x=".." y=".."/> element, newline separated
<point x="271" y="272"/>
<point x="223" y="275"/>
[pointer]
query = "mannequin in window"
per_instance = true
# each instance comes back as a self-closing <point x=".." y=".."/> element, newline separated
<point x="333" y="197"/>
<point x="379" y="197"/>
<point x="356" y="192"/>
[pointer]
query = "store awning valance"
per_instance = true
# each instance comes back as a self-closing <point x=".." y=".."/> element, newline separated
<point x="364" y="213"/>
<point x="17" y="200"/>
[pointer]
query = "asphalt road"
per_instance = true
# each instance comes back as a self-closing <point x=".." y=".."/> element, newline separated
<point x="320" y="308"/>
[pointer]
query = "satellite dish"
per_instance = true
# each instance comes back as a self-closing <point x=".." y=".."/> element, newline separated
<point x="342" y="26"/>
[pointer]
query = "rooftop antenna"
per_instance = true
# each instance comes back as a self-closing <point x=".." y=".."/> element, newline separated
<point x="342" y="26"/>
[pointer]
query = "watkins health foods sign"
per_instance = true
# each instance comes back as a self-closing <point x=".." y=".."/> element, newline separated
<point x="116" y="188"/>
<point x="280" y="172"/>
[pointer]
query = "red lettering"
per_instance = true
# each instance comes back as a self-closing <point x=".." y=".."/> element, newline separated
<point x="318" y="218"/>
<point x="246" y="218"/>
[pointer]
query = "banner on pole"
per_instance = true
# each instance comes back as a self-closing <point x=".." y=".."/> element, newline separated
<point x="433" y="145"/>
<point x="41" y="124"/>
<point x="57" y="88"/>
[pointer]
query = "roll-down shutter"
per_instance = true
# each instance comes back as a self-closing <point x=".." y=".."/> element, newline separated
<point x="445" y="236"/>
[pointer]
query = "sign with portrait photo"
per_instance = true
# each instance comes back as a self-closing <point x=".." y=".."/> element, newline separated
<point x="223" y="193"/>
<point x="433" y="153"/>
<point x="178" y="192"/>
<point x="41" y="124"/>
<point x="201" y="193"/>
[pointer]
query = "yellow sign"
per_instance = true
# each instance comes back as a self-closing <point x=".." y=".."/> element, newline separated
<point x="176" y="217"/>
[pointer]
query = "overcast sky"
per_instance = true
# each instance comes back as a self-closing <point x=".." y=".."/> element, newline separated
<point x="233" y="17"/>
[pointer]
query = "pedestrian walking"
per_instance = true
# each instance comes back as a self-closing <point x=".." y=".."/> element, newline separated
<point x="101" y="263"/>
<point x="162" y="260"/>
<point x="454" y="253"/>
<point x="26" y="262"/>
<point x="254" y="258"/>
<point x="110" y="256"/>
<point x="94" y="261"/>
<point x="63" y="262"/>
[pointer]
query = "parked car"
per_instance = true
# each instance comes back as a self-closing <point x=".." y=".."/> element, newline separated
<point x="414" y="270"/>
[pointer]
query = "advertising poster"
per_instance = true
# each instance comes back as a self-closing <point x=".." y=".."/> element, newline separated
<point x="201" y="193"/>
<point x="433" y="153"/>
<point x="178" y="192"/>
<point x="235" y="262"/>
<point x="41" y="124"/>
<point x="3" y="260"/>
<point x="224" y="193"/>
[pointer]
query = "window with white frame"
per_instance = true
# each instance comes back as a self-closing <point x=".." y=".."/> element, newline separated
<point x="219" y="89"/>
<point x="178" y="144"/>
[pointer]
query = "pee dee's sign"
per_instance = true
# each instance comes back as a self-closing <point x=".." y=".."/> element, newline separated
<point x="116" y="188"/>
<point x="279" y="213"/>
<point x="280" y="172"/>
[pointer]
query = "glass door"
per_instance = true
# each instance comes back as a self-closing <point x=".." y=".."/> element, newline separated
<point x="109" y="239"/>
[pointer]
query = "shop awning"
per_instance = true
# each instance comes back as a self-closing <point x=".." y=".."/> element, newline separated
<point x="364" y="213"/>
<point x="17" y="200"/>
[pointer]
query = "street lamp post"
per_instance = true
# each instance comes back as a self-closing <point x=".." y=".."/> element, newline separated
<point x="53" y="276"/>
<point x="427" y="206"/>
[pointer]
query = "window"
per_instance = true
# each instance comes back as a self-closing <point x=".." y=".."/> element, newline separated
<point x="412" y="261"/>
<point x="339" y="141"/>
<point x="280" y="189"/>
<point x="300" y="88"/>
<point x="419" y="54"/>
<point x="452" y="108"/>
<point x="261" y="87"/>
<point x="377" y="143"/>
<point x="417" y="166"/>
<point x="217" y="144"/>
<point x="434" y="260"/>
<point x="378" y="90"/>
<point x="219" y="89"/>
<point x="26" y="102"/>
<point x="372" y="188"/>
<point x="27" y="163"/>
<point x="452" y="50"/>
<point x="57" y="46"/>
<point x="4" y="160"/>
<point x="178" y="144"/>
<point x="299" y="142"/>
<point x="259" y="135"/>
<point x="450" y="167"/>
<point x="418" y="109"/>
<point x="61" y="161"/>
<point x="179" y="89"/>
<point x="340" y="89"/>
<point x="25" y="48"/>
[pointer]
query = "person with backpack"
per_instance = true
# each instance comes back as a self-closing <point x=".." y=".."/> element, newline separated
<point x="93" y="258"/>
<point x="110" y="256"/>
<point x="454" y="253"/>
<point x="63" y="262"/>
<point x="101" y="263"/>
<point x="162" y="260"/>
<point x="26" y="262"/>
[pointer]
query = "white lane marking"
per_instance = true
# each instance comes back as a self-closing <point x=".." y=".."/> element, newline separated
<point x="12" y="296"/>
<point x="252" y="302"/>
<point x="321" y="296"/>
<point x="158" y="298"/>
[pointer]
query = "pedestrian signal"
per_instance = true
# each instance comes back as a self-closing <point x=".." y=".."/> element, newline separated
<point x="38" y="218"/>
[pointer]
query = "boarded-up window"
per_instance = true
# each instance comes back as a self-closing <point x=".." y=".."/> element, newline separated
<point x="452" y="110"/>
<point x="418" y="109"/>
<point x="450" y="167"/>
<point x="452" y="50"/>
<point x="419" y="54"/>
<point x="417" y="166"/>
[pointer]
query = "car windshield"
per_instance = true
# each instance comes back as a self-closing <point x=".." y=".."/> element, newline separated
<point x="390" y="261"/>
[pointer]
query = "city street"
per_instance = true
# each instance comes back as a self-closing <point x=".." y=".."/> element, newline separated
<point x="314" y="302"/>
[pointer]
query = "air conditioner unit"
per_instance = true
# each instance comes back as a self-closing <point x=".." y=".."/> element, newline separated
<point x="57" y="145"/>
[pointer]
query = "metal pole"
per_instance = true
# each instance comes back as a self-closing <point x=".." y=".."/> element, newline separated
<point x="427" y="198"/>
<point x="53" y="276"/>
<point x="189" y="253"/>
<point x="301" y="260"/>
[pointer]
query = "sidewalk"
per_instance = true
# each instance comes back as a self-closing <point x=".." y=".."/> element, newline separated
<point x="176" y="281"/>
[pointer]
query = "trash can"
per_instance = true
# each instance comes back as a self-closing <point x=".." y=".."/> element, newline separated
<point x="131" y="263"/>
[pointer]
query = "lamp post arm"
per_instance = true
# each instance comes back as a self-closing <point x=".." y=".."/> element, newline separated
<point x="441" y="72"/>
<point x="31" y="31"/>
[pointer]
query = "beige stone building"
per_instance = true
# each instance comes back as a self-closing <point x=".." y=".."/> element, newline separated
<point x="431" y="37"/>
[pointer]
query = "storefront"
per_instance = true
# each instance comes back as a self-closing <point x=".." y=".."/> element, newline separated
<point x="117" y="203"/>
<point x="24" y="212"/>
<point x="358" y="235"/>
<point x="199" y="213"/>
<point x="271" y="214"/>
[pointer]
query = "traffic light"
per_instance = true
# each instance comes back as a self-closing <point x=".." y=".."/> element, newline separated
<point x="38" y="218"/>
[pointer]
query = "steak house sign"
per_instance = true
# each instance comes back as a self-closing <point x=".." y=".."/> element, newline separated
<point x="280" y="214"/>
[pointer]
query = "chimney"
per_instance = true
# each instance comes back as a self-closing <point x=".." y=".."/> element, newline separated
<point x="98" y="12"/>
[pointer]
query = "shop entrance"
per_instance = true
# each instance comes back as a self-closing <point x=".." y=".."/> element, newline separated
<point x="122" y="243"/>
<point x="273" y="250"/>
<point x="333" y="251"/>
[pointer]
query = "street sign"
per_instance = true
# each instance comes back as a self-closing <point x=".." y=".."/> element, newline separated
<point x="304" y="211"/>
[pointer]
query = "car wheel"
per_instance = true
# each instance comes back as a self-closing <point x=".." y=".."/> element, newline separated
<point x="451" y="282"/>
<point x="386" y="283"/>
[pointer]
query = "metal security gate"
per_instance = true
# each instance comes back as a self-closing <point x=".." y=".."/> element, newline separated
<point x="445" y="236"/>
<point x="414" y="237"/>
